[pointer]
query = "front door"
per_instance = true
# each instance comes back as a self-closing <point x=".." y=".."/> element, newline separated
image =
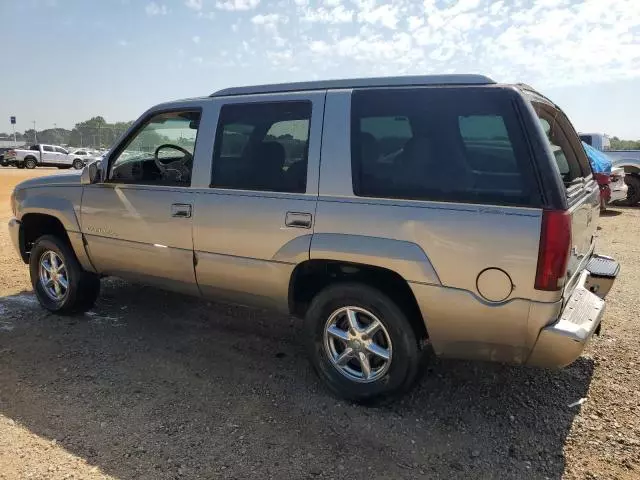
<point x="138" y="222"/>
<point x="49" y="155"/>
<point x="254" y="222"/>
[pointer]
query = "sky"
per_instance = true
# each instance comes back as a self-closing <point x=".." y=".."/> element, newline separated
<point x="65" y="61"/>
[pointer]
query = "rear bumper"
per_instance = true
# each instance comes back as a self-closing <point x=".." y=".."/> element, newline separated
<point x="618" y="192"/>
<point x="562" y="342"/>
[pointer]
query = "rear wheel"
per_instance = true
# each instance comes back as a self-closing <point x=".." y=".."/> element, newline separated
<point x="30" y="163"/>
<point x="20" y="165"/>
<point x="58" y="280"/>
<point x="361" y="344"/>
<point x="633" y="189"/>
<point x="78" y="164"/>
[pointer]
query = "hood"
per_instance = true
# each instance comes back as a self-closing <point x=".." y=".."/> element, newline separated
<point x="72" y="178"/>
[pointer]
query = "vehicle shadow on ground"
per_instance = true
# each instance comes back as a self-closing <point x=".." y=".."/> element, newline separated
<point x="156" y="385"/>
<point x="610" y="213"/>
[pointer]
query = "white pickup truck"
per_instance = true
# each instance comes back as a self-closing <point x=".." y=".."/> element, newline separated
<point x="629" y="160"/>
<point x="41" y="155"/>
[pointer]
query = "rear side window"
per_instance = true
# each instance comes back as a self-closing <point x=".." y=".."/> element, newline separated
<point x="441" y="144"/>
<point x="567" y="150"/>
<point x="262" y="146"/>
<point x="46" y="148"/>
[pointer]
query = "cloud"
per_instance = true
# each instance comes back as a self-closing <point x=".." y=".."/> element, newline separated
<point x="337" y="14"/>
<point x="269" y="19"/>
<point x="543" y="42"/>
<point x="232" y="5"/>
<point x="195" y="39"/>
<point x="153" y="8"/>
<point x="194" y="4"/>
<point x="385" y="15"/>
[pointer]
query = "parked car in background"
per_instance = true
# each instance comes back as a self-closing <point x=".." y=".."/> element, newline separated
<point x="41" y="155"/>
<point x="4" y="162"/>
<point x="610" y="180"/>
<point x="629" y="160"/>
<point x="83" y="156"/>
<point x="392" y="214"/>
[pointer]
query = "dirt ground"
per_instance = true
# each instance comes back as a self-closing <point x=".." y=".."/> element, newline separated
<point x="153" y="385"/>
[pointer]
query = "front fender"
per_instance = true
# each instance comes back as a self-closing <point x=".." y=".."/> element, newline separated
<point x="63" y="207"/>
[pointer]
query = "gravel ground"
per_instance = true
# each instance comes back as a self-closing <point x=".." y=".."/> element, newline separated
<point x="152" y="385"/>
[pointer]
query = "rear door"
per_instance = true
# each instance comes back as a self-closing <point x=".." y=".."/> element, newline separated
<point x="581" y="189"/>
<point x="254" y="223"/>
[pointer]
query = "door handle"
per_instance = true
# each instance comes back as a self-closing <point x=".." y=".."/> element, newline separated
<point x="298" y="220"/>
<point x="181" y="210"/>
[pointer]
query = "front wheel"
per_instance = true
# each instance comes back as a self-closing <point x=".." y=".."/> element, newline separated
<point x="58" y="280"/>
<point x="361" y="344"/>
<point x="633" y="189"/>
<point x="78" y="164"/>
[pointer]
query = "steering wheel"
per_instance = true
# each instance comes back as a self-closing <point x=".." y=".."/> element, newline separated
<point x="178" y="168"/>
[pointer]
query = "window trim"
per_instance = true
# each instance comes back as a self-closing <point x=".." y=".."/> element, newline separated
<point x="217" y="142"/>
<point x="141" y="123"/>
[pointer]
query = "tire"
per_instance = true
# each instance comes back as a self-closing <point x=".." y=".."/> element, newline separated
<point x="82" y="287"/>
<point x="633" y="192"/>
<point x="405" y="355"/>
<point x="20" y="165"/>
<point x="78" y="164"/>
<point x="30" y="163"/>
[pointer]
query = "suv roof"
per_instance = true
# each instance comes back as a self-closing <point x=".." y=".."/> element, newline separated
<point x="403" y="81"/>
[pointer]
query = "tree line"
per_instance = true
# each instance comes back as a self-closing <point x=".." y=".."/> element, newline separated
<point x="95" y="132"/>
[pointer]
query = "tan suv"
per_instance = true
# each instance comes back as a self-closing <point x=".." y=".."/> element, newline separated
<point x="391" y="213"/>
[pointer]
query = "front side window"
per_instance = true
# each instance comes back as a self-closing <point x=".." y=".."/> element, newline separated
<point x="61" y="150"/>
<point x="160" y="152"/>
<point x="441" y="144"/>
<point x="262" y="146"/>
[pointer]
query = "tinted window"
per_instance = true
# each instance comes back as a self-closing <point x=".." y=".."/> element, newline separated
<point x="61" y="150"/>
<point x="565" y="144"/>
<point x="445" y="144"/>
<point x="80" y="152"/>
<point x="262" y="147"/>
<point x="47" y="148"/>
<point x="160" y="152"/>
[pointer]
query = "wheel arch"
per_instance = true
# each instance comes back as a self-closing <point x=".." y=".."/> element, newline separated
<point x="34" y="225"/>
<point x="312" y="276"/>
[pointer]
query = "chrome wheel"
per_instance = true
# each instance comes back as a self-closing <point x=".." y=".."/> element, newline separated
<point x="357" y="344"/>
<point x="53" y="276"/>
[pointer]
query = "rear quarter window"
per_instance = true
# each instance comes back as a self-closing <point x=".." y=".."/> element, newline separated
<point x="441" y="144"/>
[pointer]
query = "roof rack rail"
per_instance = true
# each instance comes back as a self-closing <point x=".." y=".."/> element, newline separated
<point x="417" y="80"/>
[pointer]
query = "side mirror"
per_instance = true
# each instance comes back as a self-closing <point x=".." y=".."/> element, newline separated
<point x="92" y="173"/>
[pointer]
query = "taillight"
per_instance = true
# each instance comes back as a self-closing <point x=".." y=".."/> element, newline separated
<point x="602" y="178"/>
<point x="553" y="253"/>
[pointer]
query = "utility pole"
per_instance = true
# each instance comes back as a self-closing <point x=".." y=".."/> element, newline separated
<point x="80" y="132"/>
<point x="55" y="130"/>
<point x="35" y="134"/>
